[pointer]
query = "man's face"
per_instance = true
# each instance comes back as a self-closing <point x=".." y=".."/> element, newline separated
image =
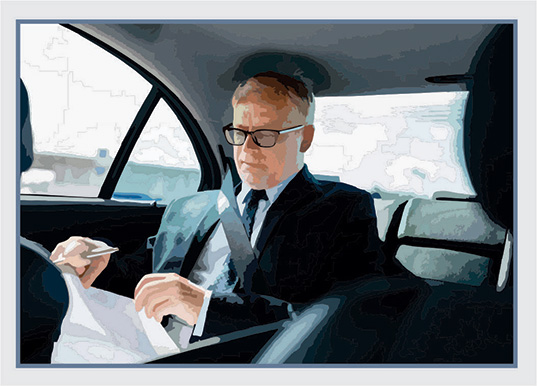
<point x="262" y="167"/>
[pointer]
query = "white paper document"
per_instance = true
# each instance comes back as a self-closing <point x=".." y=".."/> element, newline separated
<point x="103" y="327"/>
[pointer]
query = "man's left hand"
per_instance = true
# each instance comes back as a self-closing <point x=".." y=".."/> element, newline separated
<point x="169" y="294"/>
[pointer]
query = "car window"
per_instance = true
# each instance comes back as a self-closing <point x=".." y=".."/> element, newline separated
<point x="402" y="144"/>
<point x="163" y="165"/>
<point x="82" y="103"/>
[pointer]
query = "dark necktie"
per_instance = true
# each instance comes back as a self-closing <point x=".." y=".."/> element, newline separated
<point x="251" y="208"/>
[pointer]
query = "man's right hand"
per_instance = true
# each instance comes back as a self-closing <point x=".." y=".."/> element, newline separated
<point x="73" y="252"/>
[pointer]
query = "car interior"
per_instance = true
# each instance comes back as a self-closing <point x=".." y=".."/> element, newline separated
<point x="453" y="235"/>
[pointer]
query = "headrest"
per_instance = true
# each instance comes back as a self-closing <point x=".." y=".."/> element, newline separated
<point x="456" y="221"/>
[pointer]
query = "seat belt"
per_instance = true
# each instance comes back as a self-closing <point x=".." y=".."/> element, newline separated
<point x="242" y="253"/>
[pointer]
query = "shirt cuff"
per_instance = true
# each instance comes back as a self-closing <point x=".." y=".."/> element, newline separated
<point x="200" y="324"/>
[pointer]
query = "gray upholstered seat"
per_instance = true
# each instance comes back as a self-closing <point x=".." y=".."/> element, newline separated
<point x="451" y="241"/>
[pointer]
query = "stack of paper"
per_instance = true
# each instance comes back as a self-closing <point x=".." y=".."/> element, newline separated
<point x="103" y="327"/>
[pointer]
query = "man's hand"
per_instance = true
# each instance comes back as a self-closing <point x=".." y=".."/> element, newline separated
<point x="169" y="294"/>
<point x="73" y="252"/>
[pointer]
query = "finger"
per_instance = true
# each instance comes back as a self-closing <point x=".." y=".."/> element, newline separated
<point x="57" y="252"/>
<point x="80" y="270"/>
<point x="156" y="298"/>
<point x="180" y="287"/>
<point x="98" y="264"/>
<point x="72" y="252"/>
<point x="152" y="289"/>
<point x="77" y="238"/>
<point x="182" y="310"/>
<point x="148" y="279"/>
<point x="146" y="292"/>
<point x="75" y="245"/>
<point x="156" y="303"/>
<point x="167" y="298"/>
<point x="75" y="261"/>
<point x="162" y="309"/>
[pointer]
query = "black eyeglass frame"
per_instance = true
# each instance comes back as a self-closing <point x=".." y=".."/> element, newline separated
<point x="230" y="127"/>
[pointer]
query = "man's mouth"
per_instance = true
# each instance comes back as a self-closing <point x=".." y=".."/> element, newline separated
<point x="249" y="163"/>
<point x="257" y="165"/>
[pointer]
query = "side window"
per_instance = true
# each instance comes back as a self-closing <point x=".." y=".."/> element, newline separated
<point x="83" y="101"/>
<point x="163" y="165"/>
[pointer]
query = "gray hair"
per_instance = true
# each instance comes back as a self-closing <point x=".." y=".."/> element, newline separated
<point x="282" y="87"/>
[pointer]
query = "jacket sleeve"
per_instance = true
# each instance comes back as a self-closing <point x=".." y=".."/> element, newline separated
<point x="238" y="311"/>
<point x="178" y="225"/>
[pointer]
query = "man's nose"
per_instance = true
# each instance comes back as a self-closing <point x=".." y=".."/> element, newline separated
<point x="249" y="143"/>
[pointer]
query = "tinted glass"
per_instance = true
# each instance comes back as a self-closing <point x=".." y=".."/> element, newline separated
<point x="163" y="164"/>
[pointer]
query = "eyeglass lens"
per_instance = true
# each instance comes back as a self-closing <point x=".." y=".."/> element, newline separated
<point x="263" y="138"/>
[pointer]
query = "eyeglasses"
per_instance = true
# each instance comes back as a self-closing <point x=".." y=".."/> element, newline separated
<point x="262" y="138"/>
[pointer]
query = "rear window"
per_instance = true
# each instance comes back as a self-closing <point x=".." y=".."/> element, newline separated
<point x="397" y="144"/>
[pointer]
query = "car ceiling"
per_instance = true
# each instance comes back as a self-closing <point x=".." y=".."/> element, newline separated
<point x="203" y="63"/>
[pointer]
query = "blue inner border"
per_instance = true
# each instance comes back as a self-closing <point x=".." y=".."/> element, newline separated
<point x="275" y="21"/>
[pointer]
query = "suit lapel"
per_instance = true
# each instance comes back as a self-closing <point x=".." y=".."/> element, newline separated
<point x="208" y="224"/>
<point x="185" y="221"/>
<point x="200" y="238"/>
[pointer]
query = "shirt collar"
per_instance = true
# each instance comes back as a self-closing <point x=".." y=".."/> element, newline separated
<point x="272" y="193"/>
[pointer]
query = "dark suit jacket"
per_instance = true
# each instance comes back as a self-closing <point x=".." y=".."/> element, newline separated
<point x="316" y="234"/>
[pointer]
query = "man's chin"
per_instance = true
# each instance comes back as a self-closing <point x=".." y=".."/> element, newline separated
<point x="254" y="181"/>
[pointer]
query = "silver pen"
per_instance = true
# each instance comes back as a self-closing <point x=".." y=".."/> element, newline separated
<point x="94" y="253"/>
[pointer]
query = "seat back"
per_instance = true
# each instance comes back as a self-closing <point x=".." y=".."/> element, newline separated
<point x="43" y="303"/>
<point x="450" y="241"/>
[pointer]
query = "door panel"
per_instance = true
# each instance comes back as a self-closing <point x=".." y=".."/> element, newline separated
<point x="127" y="225"/>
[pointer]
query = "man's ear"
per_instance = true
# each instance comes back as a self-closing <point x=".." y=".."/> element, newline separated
<point x="307" y="138"/>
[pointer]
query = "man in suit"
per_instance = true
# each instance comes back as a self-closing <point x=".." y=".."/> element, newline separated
<point x="231" y="258"/>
